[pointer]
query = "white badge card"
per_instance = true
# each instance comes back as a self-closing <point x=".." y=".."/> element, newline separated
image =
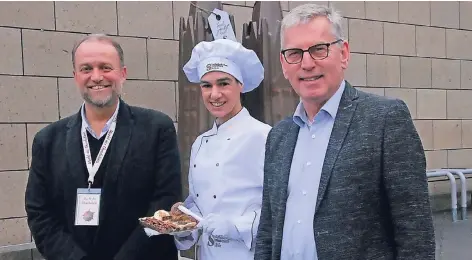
<point x="221" y="26"/>
<point x="88" y="207"/>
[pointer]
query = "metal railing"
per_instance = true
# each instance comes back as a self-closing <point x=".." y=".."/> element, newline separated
<point x="461" y="172"/>
<point x="452" y="181"/>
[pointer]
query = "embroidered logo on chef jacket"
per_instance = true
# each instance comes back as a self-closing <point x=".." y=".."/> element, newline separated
<point x="217" y="240"/>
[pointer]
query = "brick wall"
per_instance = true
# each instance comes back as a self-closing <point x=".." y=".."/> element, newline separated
<point x="417" y="51"/>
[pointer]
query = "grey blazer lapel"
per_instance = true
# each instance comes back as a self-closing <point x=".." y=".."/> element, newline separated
<point x="346" y="109"/>
<point x="285" y="140"/>
<point x="288" y="143"/>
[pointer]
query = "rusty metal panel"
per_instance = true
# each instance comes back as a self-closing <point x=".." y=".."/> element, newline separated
<point x="271" y="11"/>
<point x="274" y="99"/>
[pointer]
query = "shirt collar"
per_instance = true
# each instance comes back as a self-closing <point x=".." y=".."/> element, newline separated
<point x="230" y="124"/>
<point x="330" y="107"/>
<point x="89" y="128"/>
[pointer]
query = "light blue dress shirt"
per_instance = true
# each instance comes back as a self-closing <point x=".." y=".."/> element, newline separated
<point x="89" y="128"/>
<point x="298" y="240"/>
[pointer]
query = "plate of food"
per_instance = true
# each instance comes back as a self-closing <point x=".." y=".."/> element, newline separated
<point x="163" y="222"/>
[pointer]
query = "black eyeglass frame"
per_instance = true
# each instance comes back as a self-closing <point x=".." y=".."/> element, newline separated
<point x="308" y="50"/>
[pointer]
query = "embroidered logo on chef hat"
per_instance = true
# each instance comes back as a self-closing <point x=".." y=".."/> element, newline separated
<point x="215" y="66"/>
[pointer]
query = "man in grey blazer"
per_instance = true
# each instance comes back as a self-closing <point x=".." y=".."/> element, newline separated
<point x="345" y="176"/>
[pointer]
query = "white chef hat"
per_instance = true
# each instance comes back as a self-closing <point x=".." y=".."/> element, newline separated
<point x="226" y="56"/>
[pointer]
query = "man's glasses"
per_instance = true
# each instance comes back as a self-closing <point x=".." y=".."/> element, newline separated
<point x="317" y="52"/>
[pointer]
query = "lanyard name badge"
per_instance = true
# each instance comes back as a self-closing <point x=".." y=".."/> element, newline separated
<point x="88" y="200"/>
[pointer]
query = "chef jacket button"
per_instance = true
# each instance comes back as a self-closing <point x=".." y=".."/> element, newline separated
<point x="217" y="164"/>
<point x="197" y="194"/>
<point x="206" y="141"/>
<point x="229" y="139"/>
<point x="194" y="165"/>
<point x="214" y="196"/>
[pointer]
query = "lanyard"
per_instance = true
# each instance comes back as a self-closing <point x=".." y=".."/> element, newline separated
<point x="93" y="167"/>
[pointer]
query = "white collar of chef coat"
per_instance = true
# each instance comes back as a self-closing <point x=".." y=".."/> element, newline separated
<point x="230" y="124"/>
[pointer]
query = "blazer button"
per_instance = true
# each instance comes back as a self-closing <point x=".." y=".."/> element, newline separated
<point x="214" y="196"/>
<point x="194" y="165"/>
<point x="217" y="164"/>
<point x="197" y="194"/>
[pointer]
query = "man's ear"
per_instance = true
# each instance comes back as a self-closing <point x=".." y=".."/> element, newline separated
<point x="345" y="55"/>
<point x="124" y="74"/>
<point x="282" y="61"/>
<point x="75" y="79"/>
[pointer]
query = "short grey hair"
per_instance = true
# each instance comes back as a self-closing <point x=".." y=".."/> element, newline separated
<point x="303" y="14"/>
<point x="100" y="37"/>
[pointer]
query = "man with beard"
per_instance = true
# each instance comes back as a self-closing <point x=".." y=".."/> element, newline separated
<point x="93" y="174"/>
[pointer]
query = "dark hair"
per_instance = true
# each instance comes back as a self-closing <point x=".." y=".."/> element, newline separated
<point x="100" y="37"/>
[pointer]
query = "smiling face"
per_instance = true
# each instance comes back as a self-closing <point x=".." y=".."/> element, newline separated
<point x="98" y="73"/>
<point x="221" y="95"/>
<point x="315" y="81"/>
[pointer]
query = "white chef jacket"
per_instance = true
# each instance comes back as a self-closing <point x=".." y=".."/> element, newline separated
<point x="226" y="177"/>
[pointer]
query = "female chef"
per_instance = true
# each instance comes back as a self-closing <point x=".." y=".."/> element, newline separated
<point x="227" y="161"/>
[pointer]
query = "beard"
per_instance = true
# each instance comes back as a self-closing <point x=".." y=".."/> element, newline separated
<point x="108" y="101"/>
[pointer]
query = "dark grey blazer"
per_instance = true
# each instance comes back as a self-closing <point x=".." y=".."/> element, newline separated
<point x="373" y="198"/>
